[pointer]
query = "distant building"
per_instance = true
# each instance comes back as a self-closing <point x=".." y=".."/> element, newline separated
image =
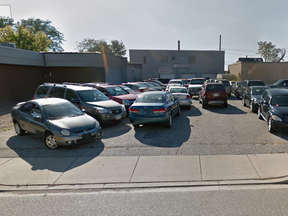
<point x="178" y="63"/>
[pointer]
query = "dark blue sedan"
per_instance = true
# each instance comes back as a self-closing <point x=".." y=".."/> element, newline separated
<point x="154" y="107"/>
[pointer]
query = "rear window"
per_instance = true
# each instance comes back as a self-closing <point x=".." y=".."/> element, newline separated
<point x="151" y="98"/>
<point x="41" y="92"/>
<point x="178" y="90"/>
<point x="226" y="83"/>
<point x="197" y="81"/>
<point x="256" y="83"/>
<point x="215" y="88"/>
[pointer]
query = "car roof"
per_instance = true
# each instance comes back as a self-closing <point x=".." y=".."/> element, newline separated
<point x="48" y="101"/>
<point x="178" y="86"/>
<point x="277" y="91"/>
<point x="154" y="92"/>
<point x="75" y="87"/>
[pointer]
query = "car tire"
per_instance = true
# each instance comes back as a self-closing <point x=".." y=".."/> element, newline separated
<point x="50" y="141"/>
<point x="243" y="101"/>
<point x="19" y="131"/>
<point x="270" y="127"/>
<point x="203" y="105"/>
<point x="178" y="113"/>
<point x="135" y="125"/>
<point x="225" y="105"/>
<point x="259" y="113"/>
<point x="170" y="121"/>
<point x="229" y="95"/>
<point x="189" y="107"/>
<point x="251" y="107"/>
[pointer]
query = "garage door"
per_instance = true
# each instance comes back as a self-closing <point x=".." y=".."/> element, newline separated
<point x="209" y="75"/>
<point x="167" y="75"/>
<point x="188" y="75"/>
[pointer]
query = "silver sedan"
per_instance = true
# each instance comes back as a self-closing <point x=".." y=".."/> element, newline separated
<point x="182" y="95"/>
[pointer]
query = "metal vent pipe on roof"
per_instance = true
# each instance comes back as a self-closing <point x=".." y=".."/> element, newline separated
<point x="178" y="44"/>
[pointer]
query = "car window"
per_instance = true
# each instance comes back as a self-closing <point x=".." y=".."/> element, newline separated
<point x="115" y="91"/>
<point x="105" y="93"/>
<point x="258" y="91"/>
<point x="61" y="110"/>
<point x="197" y="81"/>
<point x="254" y="83"/>
<point x="71" y="96"/>
<point x="92" y="95"/>
<point x="178" y="90"/>
<point x="279" y="100"/>
<point x="57" y="92"/>
<point x="150" y="98"/>
<point x="41" y="91"/>
<point x="215" y="88"/>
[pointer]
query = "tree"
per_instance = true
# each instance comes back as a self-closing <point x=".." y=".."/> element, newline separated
<point x="4" y="21"/>
<point x="91" y="45"/>
<point x="268" y="51"/>
<point x="36" y="25"/>
<point x="25" y="39"/>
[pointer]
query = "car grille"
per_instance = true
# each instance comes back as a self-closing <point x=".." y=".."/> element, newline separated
<point x="83" y="131"/>
<point x="116" y="111"/>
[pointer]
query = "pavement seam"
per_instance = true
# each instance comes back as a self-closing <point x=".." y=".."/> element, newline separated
<point x="200" y="168"/>
<point x="134" y="169"/>
<point x="6" y="161"/>
<point x="253" y="166"/>
<point x="64" y="171"/>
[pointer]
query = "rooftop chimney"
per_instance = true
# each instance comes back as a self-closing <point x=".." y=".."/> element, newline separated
<point x="178" y="44"/>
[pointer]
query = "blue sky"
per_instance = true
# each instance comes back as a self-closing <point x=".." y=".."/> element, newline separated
<point x="159" y="24"/>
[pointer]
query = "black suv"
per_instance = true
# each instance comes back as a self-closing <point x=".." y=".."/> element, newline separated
<point x="92" y="100"/>
<point x="273" y="108"/>
<point x="244" y="86"/>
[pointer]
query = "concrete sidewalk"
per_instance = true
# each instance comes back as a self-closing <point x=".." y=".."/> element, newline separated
<point x="141" y="170"/>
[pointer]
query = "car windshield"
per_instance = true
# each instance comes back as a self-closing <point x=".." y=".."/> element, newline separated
<point x="197" y="81"/>
<point x="258" y="91"/>
<point x="175" y="81"/>
<point x="277" y="82"/>
<point x="151" y="98"/>
<point x="254" y="83"/>
<point x="279" y="100"/>
<point x="61" y="110"/>
<point x="115" y="91"/>
<point x="178" y="90"/>
<point x="92" y="96"/>
<point x="215" y="88"/>
<point x="226" y="83"/>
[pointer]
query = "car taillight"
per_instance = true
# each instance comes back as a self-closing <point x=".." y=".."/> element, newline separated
<point x="159" y="110"/>
<point x="246" y="88"/>
<point x="204" y="94"/>
<point x="133" y="110"/>
<point x="188" y="96"/>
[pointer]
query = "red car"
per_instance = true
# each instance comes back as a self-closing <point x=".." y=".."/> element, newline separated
<point x="213" y="94"/>
<point x="116" y="93"/>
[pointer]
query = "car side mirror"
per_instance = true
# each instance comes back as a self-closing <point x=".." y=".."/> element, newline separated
<point x="83" y="110"/>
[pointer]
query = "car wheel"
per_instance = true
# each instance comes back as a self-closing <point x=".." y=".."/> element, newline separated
<point x="170" y="121"/>
<point x="189" y="107"/>
<point x="251" y="106"/>
<point x="225" y="105"/>
<point x="270" y="127"/>
<point x="178" y="113"/>
<point x="203" y="105"/>
<point x="50" y="141"/>
<point x="19" y="131"/>
<point x="243" y="101"/>
<point x="136" y="125"/>
<point x="259" y="113"/>
<point x="229" y="95"/>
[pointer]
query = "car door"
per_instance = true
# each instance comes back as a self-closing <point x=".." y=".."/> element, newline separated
<point x="266" y="105"/>
<point x="36" y="123"/>
<point x="171" y="103"/>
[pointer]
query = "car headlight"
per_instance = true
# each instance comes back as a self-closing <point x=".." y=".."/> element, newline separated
<point x="101" y="110"/>
<point x="276" y="118"/>
<point x="97" y="125"/>
<point x="65" y="132"/>
<point x="126" y="102"/>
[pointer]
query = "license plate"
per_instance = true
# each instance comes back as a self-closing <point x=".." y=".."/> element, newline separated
<point x="216" y="95"/>
<point x="118" y="117"/>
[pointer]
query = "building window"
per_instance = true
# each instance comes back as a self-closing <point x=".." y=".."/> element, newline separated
<point x="144" y="59"/>
<point x="164" y="59"/>
<point x="191" y="59"/>
<point x="173" y="58"/>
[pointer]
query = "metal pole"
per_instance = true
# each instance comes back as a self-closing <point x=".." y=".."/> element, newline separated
<point x="220" y="43"/>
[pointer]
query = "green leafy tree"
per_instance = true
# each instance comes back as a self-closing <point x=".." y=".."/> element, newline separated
<point x="268" y="51"/>
<point x="4" y="21"/>
<point x="25" y="39"/>
<point x="91" y="45"/>
<point x="36" y="25"/>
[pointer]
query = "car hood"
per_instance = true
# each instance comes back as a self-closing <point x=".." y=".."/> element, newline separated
<point x="126" y="97"/>
<point x="279" y="110"/>
<point x="75" y="123"/>
<point x="105" y="104"/>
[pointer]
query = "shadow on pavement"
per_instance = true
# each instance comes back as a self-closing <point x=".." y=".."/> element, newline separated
<point x="230" y="110"/>
<point x="40" y="157"/>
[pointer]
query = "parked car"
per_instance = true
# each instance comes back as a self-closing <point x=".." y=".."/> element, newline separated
<point x="154" y="107"/>
<point x="157" y="86"/>
<point x="151" y="86"/>
<point x="92" y="100"/>
<point x="273" y="108"/>
<point x="173" y="81"/>
<point x="131" y="91"/>
<point x="136" y="87"/>
<point x="281" y="83"/>
<point x="234" y="87"/>
<point x="245" y="84"/>
<point x="186" y="82"/>
<point x="195" y="85"/>
<point x="56" y="120"/>
<point x="171" y="85"/>
<point x="252" y="97"/>
<point x="213" y="94"/>
<point x="182" y="96"/>
<point x="227" y="85"/>
<point x="116" y="93"/>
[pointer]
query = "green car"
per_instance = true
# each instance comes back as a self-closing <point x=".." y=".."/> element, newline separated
<point x="55" y="120"/>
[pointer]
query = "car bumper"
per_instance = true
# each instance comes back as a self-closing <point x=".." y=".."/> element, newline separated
<point x="148" y="119"/>
<point x="215" y="102"/>
<point x="78" y="138"/>
<point x="186" y="102"/>
<point x="280" y="126"/>
<point x="107" y="118"/>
